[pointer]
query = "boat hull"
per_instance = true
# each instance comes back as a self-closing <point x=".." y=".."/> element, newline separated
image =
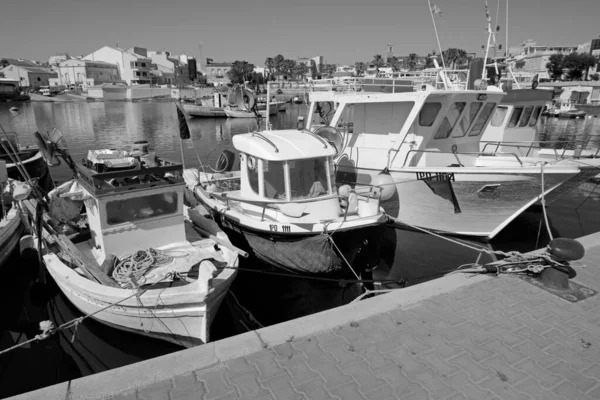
<point x="463" y="204"/>
<point x="179" y="315"/>
<point x="36" y="167"/>
<point x="204" y="111"/>
<point x="249" y="114"/>
<point x="11" y="229"/>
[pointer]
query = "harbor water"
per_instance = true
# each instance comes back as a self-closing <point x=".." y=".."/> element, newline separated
<point x="409" y="257"/>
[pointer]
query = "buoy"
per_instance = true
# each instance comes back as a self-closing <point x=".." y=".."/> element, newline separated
<point x="385" y="181"/>
<point x="566" y="249"/>
<point x="344" y="190"/>
<point x="352" y="202"/>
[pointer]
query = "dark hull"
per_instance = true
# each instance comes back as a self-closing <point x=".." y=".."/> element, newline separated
<point x="309" y="254"/>
<point x="9" y="238"/>
<point x="36" y="167"/>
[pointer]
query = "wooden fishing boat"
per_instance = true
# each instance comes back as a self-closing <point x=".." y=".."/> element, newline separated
<point x="207" y="108"/>
<point x="282" y="205"/>
<point x="132" y="266"/>
<point x="236" y="112"/>
<point x="11" y="227"/>
<point x="29" y="156"/>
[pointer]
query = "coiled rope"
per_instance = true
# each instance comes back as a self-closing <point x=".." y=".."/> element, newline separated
<point x="137" y="265"/>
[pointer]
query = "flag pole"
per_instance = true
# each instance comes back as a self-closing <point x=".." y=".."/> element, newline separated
<point x="436" y="34"/>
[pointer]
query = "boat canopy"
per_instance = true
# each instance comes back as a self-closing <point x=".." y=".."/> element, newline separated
<point x="290" y="144"/>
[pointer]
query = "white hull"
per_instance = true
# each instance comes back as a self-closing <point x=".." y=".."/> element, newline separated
<point x="204" y="111"/>
<point x="464" y="209"/>
<point x="248" y="114"/>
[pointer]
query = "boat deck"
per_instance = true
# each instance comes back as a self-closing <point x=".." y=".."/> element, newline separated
<point x="457" y="337"/>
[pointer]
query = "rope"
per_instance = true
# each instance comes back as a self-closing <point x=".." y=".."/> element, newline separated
<point x="543" y="201"/>
<point x="138" y="264"/>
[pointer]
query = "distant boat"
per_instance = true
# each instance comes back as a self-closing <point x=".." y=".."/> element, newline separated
<point x="235" y="112"/>
<point x="297" y="100"/>
<point x="208" y="108"/>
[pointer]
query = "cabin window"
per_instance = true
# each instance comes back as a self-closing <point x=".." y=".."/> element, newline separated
<point x="139" y="208"/>
<point x="274" y="179"/>
<point x="465" y="122"/>
<point x="526" y="115"/>
<point x="252" y="164"/>
<point x="449" y="120"/>
<point x="498" y="117"/>
<point x="484" y="115"/>
<point x="534" y="116"/>
<point x="308" y="178"/>
<point x="429" y="113"/>
<point x="514" y="118"/>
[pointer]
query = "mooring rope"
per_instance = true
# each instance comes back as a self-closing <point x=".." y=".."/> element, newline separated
<point x="139" y="264"/>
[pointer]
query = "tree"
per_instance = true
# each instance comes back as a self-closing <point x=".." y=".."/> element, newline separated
<point x="412" y="61"/>
<point x="269" y="65"/>
<point x="454" y="57"/>
<point x="330" y="69"/>
<point x="378" y="61"/>
<point x="360" y="67"/>
<point x="577" y="64"/>
<point x="595" y="77"/>
<point x="300" y="70"/>
<point x="555" y="66"/>
<point x="313" y="69"/>
<point x="278" y="64"/>
<point x="287" y="67"/>
<point x="240" y="72"/>
<point x="395" y="63"/>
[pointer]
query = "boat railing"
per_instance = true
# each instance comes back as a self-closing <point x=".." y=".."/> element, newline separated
<point x="559" y="147"/>
<point x="456" y="154"/>
<point x="258" y="135"/>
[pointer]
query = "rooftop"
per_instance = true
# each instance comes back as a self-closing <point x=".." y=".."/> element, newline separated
<point x="282" y="145"/>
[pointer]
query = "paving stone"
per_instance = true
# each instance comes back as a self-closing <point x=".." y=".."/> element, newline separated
<point x="215" y="382"/>
<point x="477" y="318"/>
<point x="540" y="341"/>
<point x="348" y="391"/>
<point x="476" y="372"/>
<point x="580" y="381"/>
<point x="299" y="371"/>
<point x="438" y="364"/>
<point x="264" y="362"/>
<point x="545" y="378"/>
<point x="330" y="373"/>
<point x="238" y="366"/>
<point x="565" y="327"/>
<point x="510" y="355"/>
<point x="186" y="387"/>
<point x="350" y="331"/>
<point x="285" y="351"/>
<point x="314" y="390"/>
<point x="366" y="379"/>
<point x="281" y="388"/>
<point x="503" y="389"/>
<point x="439" y="345"/>
<point x="538" y="326"/>
<point x="449" y="333"/>
<point x="381" y="325"/>
<point x="419" y="394"/>
<point x="509" y="323"/>
<point x="248" y="386"/>
<point x="384" y="392"/>
<point x="570" y="392"/>
<point x="374" y="358"/>
<point x="532" y="351"/>
<point x="500" y="332"/>
<point x="503" y="369"/>
<point x="434" y="385"/>
<point x="594" y="393"/>
<point x="593" y="371"/>
<point x="396" y="378"/>
<point x="406" y="362"/>
<point x="531" y="387"/>
<point x="456" y="396"/>
<point x="413" y="345"/>
<point x="477" y="353"/>
<point x="461" y="381"/>
<point x="575" y="361"/>
<point x="343" y="352"/>
<point x="424" y="315"/>
<point x="311" y="349"/>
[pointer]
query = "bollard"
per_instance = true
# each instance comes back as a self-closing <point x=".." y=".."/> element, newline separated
<point x="554" y="278"/>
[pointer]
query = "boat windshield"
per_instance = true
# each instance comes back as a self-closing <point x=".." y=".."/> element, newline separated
<point x="308" y="178"/>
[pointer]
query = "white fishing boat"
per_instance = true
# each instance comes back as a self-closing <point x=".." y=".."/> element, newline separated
<point x="11" y="226"/>
<point x="282" y="205"/>
<point x="207" y="108"/>
<point x="424" y="145"/>
<point x="133" y="266"/>
<point x="237" y="112"/>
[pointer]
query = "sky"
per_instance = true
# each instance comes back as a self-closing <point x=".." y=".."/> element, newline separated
<point x="342" y="31"/>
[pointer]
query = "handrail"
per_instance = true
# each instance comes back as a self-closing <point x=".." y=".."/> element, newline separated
<point x="531" y="145"/>
<point x="259" y="135"/>
<point x="316" y="136"/>
<point x="456" y="153"/>
<point x="225" y="196"/>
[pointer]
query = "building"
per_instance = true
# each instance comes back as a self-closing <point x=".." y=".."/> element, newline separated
<point x="170" y="68"/>
<point x="28" y="74"/>
<point x="134" y="64"/>
<point x="57" y="59"/>
<point x="84" y="73"/>
<point x="317" y="59"/>
<point x="216" y="72"/>
<point x="390" y="53"/>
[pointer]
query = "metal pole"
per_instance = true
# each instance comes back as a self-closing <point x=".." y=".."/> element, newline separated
<point x="267" y="127"/>
<point x="436" y="35"/>
<point x="506" y="29"/>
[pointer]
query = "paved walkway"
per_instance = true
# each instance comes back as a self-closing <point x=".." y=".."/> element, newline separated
<point x="498" y="338"/>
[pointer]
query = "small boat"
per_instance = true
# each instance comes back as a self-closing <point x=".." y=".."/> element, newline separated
<point x="128" y="260"/>
<point x="565" y="109"/>
<point x="11" y="227"/>
<point x="29" y="156"/>
<point x="282" y="205"/>
<point x="207" y="108"/>
<point x="297" y="100"/>
<point x="236" y="112"/>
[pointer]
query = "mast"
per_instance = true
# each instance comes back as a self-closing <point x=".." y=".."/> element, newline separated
<point x="436" y="34"/>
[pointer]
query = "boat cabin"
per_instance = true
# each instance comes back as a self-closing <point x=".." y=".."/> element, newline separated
<point x="515" y="119"/>
<point x="135" y="200"/>
<point x="427" y="128"/>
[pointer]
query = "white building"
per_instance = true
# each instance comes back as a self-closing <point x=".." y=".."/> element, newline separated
<point x="134" y="65"/>
<point x="57" y="59"/>
<point x="172" y="70"/>
<point x="85" y="73"/>
<point x="29" y="74"/>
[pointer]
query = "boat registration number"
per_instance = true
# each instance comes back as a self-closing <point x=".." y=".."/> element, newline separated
<point x="284" y="228"/>
<point x="440" y="177"/>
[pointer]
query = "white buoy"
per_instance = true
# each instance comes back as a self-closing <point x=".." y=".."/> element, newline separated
<point x="385" y="181"/>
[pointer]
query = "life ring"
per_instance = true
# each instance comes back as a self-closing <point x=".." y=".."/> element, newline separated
<point x="46" y="150"/>
<point x="251" y="163"/>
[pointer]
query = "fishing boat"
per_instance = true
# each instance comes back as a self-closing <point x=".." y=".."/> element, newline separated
<point x="11" y="226"/>
<point x="237" y="112"/>
<point x="207" y="108"/>
<point x="115" y="243"/>
<point x="282" y="205"/>
<point x="423" y="144"/>
<point x="565" y="109"/>
<point x="30" y="157"/>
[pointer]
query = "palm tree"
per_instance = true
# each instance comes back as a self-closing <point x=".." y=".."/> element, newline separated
<point x="395" y="64"/>
<point x="330" y="69"/>
<point x="360" y="67"/>
<point x="278" y="64"/>
<point x="412" y="61"/>
<point x="378" y="61"/>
